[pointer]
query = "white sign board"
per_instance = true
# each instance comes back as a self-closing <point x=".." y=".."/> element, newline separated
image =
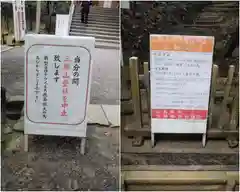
<point x="180" y="82"/>
<point x="125" y="4"/>
<point x="19" y="19"/>
<point x="62" y="22"/>
<point x="57" y="84"/>
<point x="107" y="3"/>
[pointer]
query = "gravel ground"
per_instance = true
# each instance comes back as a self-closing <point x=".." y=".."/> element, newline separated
<point x="55" y="163"/>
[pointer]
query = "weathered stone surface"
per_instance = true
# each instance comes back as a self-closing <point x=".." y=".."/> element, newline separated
<point x="10" y="40"/>
<point x="7" y="129"/>
<point x="96" y="115"/>
<point x="113" y="114"/>
<point x="14" y="142"/>
<point x="19" y="126"/>
<point x="16" y="98"/>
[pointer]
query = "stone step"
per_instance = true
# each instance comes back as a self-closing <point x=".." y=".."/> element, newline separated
<point x="117" y="38"/>
<point x="105" y="20"/>
<point x="110" y="41"/>
<point x="106" y="9"/>
<point x="106" y="27"/>
<point x="103" y="45"/>
<point x="114" y="14"/>
<point x="94" y="20"/>
<point x="222" y="9"/>
<point x="100" y="9"/>
<point x="77" y="24"/>
<point x="224" y="4"/>
<point x="90" y="21"/>
<point x="99" y="14"/>
<point x="88" y="31"/>
<point x="213" y="20"/>
<point x="97" y="17"/>
<point x="83" y="26"/>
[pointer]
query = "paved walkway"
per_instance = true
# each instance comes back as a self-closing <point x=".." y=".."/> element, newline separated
<point x="105" y="77"/>
<point x="5" y="48"/>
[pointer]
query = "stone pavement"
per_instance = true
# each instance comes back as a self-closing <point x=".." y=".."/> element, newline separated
<point x="105" y="75"/>
<point x="5" y="48"/>
<point x="108" y="115"/>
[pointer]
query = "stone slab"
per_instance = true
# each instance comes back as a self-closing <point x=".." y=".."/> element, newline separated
<point x="113" y="114"/>
<point x="16" y="97"/>
<point x="5" y="48"/>
<point x="96" y="115"/>
<point x="14" y="141"/>
<point x="19" y="126"/>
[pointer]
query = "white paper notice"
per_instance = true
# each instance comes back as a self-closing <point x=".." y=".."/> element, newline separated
<point x="57" y="84"/>
<point x="62" y="22"/>
<point x="180" y="82"/>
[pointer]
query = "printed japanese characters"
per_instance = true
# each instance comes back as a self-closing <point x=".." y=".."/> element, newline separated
<point x="180" y="81"/>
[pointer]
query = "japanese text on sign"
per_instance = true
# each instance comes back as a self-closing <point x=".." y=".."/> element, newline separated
<point x="57" y="84"/>
<point x="180" y="77"/>
<point x="58" y="79"/>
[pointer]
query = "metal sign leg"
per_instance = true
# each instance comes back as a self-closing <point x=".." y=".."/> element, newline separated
<point x="26" y="142"/>
<point x="83" y="144"/>
<point x="153" y="139"/>
<point x="204" y="136"/>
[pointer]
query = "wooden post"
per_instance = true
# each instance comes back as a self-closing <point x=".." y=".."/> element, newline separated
<point x="136" y="100"/>
<point x="135" y="90"/>
<point x="226" y="94"/>
<point x="123" y="186"/>
<point x="212" y="94"/>
<point x="146" y="74"/>
<point x="25" y="142"/>
<point x="83" y="145"/>
<point x="234" y="117"/>
<point x="231" y="185"/>
<point x="38" y="16"/>
<point x="234" y="112"/>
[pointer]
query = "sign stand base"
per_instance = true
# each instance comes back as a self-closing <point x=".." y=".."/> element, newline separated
<point x="26" y="142"/>
<point x="83" y="144"/>
<point x="153" y="139"/>
<point x="204" y="137"/>
<point x="82" y="149"/>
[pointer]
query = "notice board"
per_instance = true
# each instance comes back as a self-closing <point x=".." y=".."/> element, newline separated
<point x="62" y="22"/>
<point x="57" y="84"/>
<point x="180" y="75"/>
